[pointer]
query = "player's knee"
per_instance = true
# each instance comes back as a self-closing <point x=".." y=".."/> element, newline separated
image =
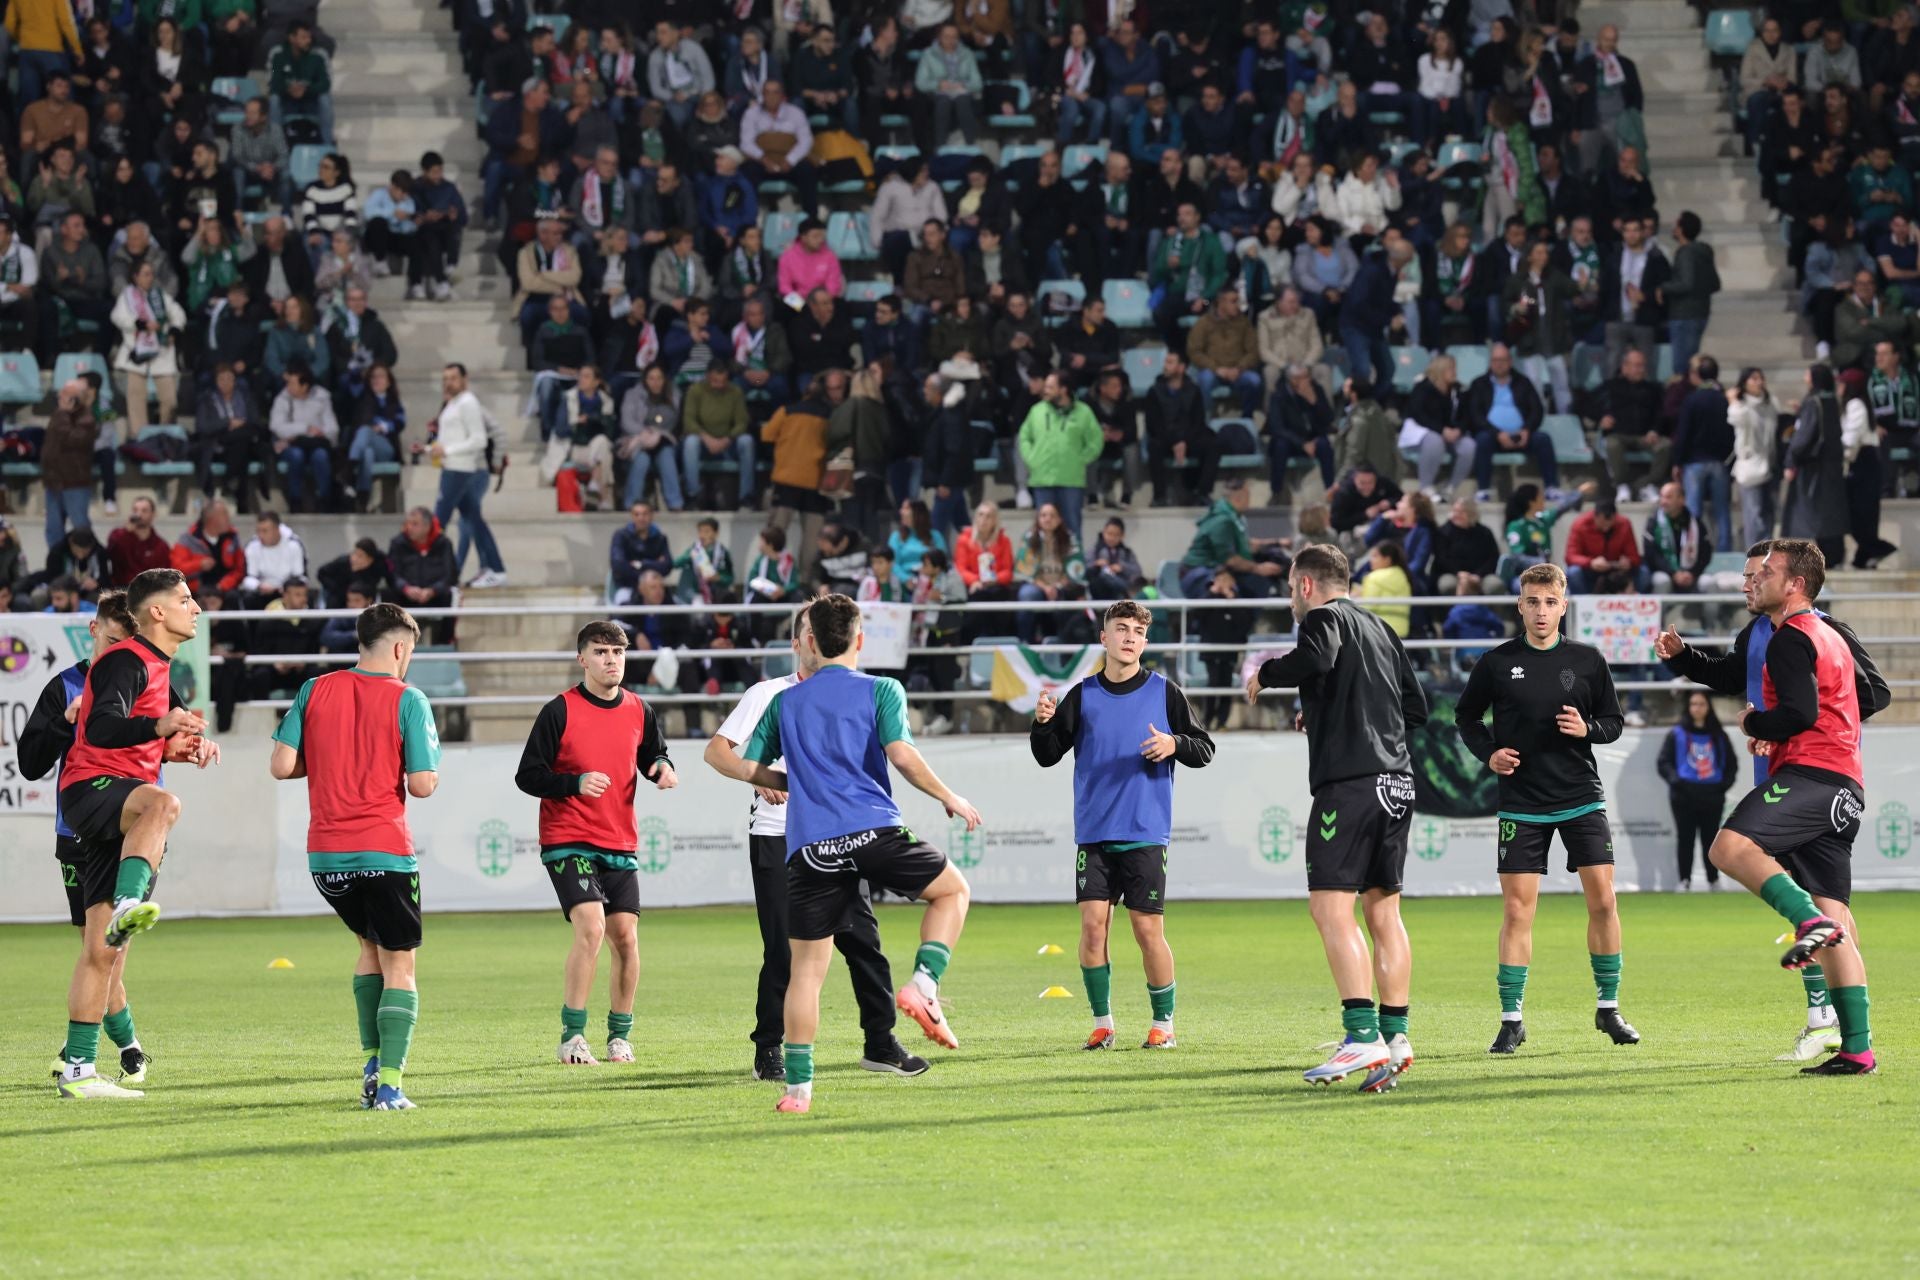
<point x="623" y="937"/>
<point x="98" y="956"/>
<point x="590" y="933"/>
<point x="1147" y="927"/>
<point x="165" y="808"/>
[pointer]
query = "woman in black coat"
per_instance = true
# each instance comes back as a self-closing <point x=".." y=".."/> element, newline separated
<point x="1816" y="493"/>
<point x="946" y="444"/>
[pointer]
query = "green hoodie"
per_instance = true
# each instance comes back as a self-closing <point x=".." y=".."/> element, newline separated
<point x="1058" y="445"/>
<point x="1220" y="535"/>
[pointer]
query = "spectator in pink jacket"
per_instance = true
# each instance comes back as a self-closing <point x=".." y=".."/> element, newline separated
<point x="808" y="264"/>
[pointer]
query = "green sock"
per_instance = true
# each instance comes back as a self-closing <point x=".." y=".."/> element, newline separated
<point x="931" y="959"/>
<point x="619" y="1026"/>
<point x="1789" y="899"/>
<point x="1162" y="1000"/>
<point x="366" y="1002"/>
<point x="1360" y="1020"/>
<point x="1606" y="978"/>
<point x="799" y="1064"/>
<point x="1513" y="987"/>
<point x="1851" y="1004"/>
<point x="119" y="1027"/>
<point x="1393" y="1020"/>
<point x="573" y="1022"/>
<point x="1819" y="1002"/>
<point x="134" y="877"/>
<point x="399" y="1010"/>
<point x="1098" y="981"/>
<point x="83" y="1042"/>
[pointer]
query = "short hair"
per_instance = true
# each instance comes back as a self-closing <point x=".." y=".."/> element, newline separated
<point x="1804" y="560"/>
<point x="456" y="366"/>
<point x="368" y="547"/>
<point x="600" y="633"/>
<point x="775" y="537"/>
<point x="378" y="621"/>
<point x="834" y="621"/>
<point x="267" y="516"/>
<point x="1126" y="611"/>
<point x="707" y="522"/>
<point x="146" y="586"/>
<point x="1709" y="369"/>
<point x="111" y="607"/>
<point x="1325" y="564"/>
<point x="1551" y="575"/>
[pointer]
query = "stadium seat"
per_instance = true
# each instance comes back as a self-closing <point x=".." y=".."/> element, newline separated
<point x="1019" y="153"/>
<point x="1022" y="115"/>
<point x="164" y="470"/>
<point x="1080" y="157"/>
<point x="1729" y="32"/>
<point x="1127" y="304"/>
<point x="849" y="238"/>
<point x="1587" y="369"/>
<point x="888" y="158"/>
<point x="1663" y="364"/>
<point x="1409" y="363"/>
<point x="1071" y="288"/>
<point x="1470" y="362"/>
<point x="1397" y="152"/>
<point x="869" y="290"/>
<point x="19" y="378"/>
<point x="980" y="665"/>
<point x="1167" y="580"/>
<point x="963" y="154"/>
<point x="237" y="90"/>
<point x="1569" y="439"/>
<point x="778" y="230"/>
<point x="303" y="166"/>
<point x="1244" y="461"/>
<point x="557" y="22"/>
<point x="71" y="364"/>
<point x="1454" y="153"/>
<point x="1143" y="365"/>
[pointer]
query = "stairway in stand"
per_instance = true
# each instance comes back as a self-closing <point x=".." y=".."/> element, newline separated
<point x="1697" y="163"/>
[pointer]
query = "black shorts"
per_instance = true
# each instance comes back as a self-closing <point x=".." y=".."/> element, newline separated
<point x="578" y="878"/>
<point x="92" y="808"/>
<point x="1806" y="819"/>
<point x="1136" y="878"/>
<point x="381" y="906"/>
<point x="1357" y="833"/>
<point x="89" y="872"/>
<point x="1588" y="841"/>
<point x="823" y="878"/>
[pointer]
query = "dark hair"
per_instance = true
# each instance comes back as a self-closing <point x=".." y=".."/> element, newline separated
<point x="1361" y="388"/>
<point x="1820" y="377"/>
<point x="920" y="520"/>
<point x="267" y="515"/>
<point x="1126" y="610"/>
<point x="65" y="582"/>
<point x="1390" y="548"/>
<point x="431" y="160"/>
<point x="708" y="522"/>
<point x="1521" y="500"/>
<point x="1604" y="505"/>
<point x="378" y="621"/>
<point x="146" y="586"/>
<point x="833" y="619"/>
<point x="1686" y="717"/>
<point x="111" y="607"/>
<point x="1804" y="560"/>
<point x="935" y="558"/>
<point x="1115" y="522"/>
<point x="368" y="547"/>
<point x="1325" y="564"/>
<point x="1709" y="369"/>
<point x="775" y="537"/>
<point x="363" y="586"/>
<point x="1689" y="224"/>
<point x="600" y="633"/>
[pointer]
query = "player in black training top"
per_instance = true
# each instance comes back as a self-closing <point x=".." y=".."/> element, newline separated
<point x="1552" y="698"/>
<point x="1359" y="697"/>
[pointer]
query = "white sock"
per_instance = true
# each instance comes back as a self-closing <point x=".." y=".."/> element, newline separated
<point x="1163" y="1024"/>
<point x="924" y="983"/>
<point x="1103" y="1021"/>
<point x="121" y="904"/>
<point x="1510" y="1017"/>
<point x="800" y="1090"/>
<point x="1609" y="1004"/>
<point x="79" y="1070"/>
<point x="1822" y="1016"/>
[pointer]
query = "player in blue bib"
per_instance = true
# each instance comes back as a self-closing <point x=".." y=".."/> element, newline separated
<point x="1122" y="807"/>
<point x="837" y="732"/>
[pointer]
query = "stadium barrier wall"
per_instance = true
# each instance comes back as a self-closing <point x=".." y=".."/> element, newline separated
<point x="1240" y="831"/>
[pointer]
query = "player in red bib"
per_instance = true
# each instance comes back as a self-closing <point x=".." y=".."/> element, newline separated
<point x="584" y="759"/>
<point x="128" y="721"/>
<point x="364" y="740"/>
<point x="1808" y="813"/>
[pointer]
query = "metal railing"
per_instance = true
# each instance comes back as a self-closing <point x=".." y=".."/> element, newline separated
<point x="1723" y="608"/>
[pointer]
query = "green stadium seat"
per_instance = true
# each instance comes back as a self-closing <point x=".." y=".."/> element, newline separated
<point x="1569" y="439"/>
<point x="1143" y="365"/>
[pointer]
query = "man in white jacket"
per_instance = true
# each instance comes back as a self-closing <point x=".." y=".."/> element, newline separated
<point x="274" y="555"/>
<point x="461" y="452"/>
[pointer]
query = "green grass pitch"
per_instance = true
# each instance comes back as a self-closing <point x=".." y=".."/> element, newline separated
<point x="1692" y="1154"/>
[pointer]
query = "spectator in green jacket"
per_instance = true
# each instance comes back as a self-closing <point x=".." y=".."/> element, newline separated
<point x="1059" y="440"/>
<point x="1221" y="545"/>
<point x="299" y="84"/>
<point x="1189" y="267"/>
<point x="713" y="422"/>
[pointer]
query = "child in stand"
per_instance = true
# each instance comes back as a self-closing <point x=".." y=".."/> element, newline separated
<point x="771" y="578"/>
<point x="386" y="219"/>
<point x="705" y="566"/>
<point x="879" y="582"/>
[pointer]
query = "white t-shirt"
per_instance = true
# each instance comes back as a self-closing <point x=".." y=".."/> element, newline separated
<point x="763" y="819"/>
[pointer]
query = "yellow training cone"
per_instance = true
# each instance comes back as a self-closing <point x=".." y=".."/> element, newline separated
<point x="1052" y="949"/>
<point x="1056" y="993"/>
<point x="280" y="963"/>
